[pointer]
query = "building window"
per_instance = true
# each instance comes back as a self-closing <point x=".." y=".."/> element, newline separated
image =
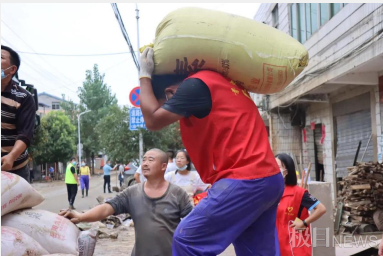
<point x="275" y="16"/>
<point x="55" y="105"/>
<point x="311" y="19"/>
<point x="314" y="17"/>
<point x="324" y="13"/>
<point x="302" y="23"/>
<point x="294" y="21"/>
<point x="306" y="18"/>
<point x="335" y="8"/>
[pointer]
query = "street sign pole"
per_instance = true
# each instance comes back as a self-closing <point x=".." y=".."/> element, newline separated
<point x="79" y="134"/>
<point x="141" y="140"/>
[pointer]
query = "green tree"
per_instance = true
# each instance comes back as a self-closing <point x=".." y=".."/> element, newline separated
<point x="115" y="136"/>
<point x="55" y="140"/>
<point x="167" y="138"/>
<point x="71" y="109"/>
<point x="96" y="96"/>
<point x="40" y="138"/>
<point x="120" y="143"/>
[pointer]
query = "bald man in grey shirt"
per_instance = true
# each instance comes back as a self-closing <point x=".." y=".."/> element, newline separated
<point x="155" y="219"/>
<point x="156" y="207"/>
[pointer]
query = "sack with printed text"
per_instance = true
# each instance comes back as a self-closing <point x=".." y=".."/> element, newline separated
<point x="17" y="193"/>
<point x="253" y="55"/>
<point x="15" y="242"/>
<point x="54" y="232"/>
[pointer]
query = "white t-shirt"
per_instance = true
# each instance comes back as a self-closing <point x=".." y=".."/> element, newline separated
<point x="142" y="177"/>
<point x="121" y="169"/>
<point x="191" y="179"/>
<point x="171" y="167"/>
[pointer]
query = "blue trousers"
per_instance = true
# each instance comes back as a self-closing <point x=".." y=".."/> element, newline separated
<point x="241" y="212"/>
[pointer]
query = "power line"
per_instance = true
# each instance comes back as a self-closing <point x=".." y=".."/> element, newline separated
<point x="74" y="55"/>
<point x="43" y="85"/>
<point x="125" y="34"/>
<point x="34" y="65"/>
<point x="37" y="55"/>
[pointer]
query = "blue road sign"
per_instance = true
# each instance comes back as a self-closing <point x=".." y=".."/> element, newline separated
<point x="136" y="119"/>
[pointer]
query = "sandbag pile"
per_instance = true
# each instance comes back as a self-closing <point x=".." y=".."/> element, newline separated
<point x="15" y="242"/>
<point x="17" y="193"/>
<point x="34" y="232"/>
<point x="255" y="56"/>
<point x="54" y="232"/>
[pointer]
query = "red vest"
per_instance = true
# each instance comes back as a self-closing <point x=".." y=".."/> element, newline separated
<point x="231" y="142"/>
<point x="289" y="239"/>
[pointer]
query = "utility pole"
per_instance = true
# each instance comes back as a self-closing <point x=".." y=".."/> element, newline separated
<point x="141" y="140"/>
<point x="79" y="134"/>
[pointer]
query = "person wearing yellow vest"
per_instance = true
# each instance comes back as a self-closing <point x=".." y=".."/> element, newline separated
<point x="84" y="178"/>
<point x="71" y="181"/>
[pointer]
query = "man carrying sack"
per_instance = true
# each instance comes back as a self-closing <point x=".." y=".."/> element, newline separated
<point x="224" y="134"/>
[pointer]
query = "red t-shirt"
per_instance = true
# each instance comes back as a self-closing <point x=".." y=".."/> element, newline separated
<point x="231" y="142"/>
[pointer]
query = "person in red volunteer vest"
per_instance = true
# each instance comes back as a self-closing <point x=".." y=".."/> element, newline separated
<point x="224" y="134"/>
<point x="294" y="235"/>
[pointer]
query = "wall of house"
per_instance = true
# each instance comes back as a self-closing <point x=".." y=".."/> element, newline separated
<point x="338" y="40"/>
<point x="47" y="100"/>
<point x="284" y="138"/>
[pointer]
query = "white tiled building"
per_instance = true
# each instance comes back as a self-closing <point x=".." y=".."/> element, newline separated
<point x="338" y="98"/>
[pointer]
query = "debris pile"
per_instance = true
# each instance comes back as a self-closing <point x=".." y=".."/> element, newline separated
<point x="361" y="192"/>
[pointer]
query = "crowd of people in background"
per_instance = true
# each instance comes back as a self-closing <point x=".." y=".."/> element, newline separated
<point x="179" y="172"/>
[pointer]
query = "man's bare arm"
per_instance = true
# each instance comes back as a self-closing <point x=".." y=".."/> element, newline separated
<point x="75" y="176"/>
<point x="155" y="117"/>
<point x="137" y="177"/>
<point x="8" y="160"/>
<point x="98" y="213"/>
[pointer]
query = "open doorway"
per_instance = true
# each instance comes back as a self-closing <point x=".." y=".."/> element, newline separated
<point x="318" y="152"/>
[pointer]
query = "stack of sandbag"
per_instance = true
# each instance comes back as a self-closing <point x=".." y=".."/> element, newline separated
<point x="33" y="232"/>
<point x="54" y="232"/>
<point x="17" y="193"/>
<point x="15" y="242"/>
<point x="253" y="55"/>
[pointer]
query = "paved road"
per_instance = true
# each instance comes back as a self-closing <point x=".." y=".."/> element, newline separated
<point x="56" y="196"/>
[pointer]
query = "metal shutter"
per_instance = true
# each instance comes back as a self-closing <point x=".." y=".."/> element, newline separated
<point x="350" y="129"/>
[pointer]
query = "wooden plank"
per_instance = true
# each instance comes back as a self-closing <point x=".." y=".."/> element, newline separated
<point x="295" y="163"/>
<point x="350" y="177"/>
<point x="361" y="186"/>
<point x="360" y="203"/>
<point x="307" y="176"/>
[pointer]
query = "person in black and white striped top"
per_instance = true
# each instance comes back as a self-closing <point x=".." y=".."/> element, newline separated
<point x="18" y="112"/>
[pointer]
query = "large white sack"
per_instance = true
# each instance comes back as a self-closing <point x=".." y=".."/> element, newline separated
<point x="54" y="232"/>
<point x="17" y="193"/>
<point x="87" y="242"/>
<point x="17" y="243"/>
